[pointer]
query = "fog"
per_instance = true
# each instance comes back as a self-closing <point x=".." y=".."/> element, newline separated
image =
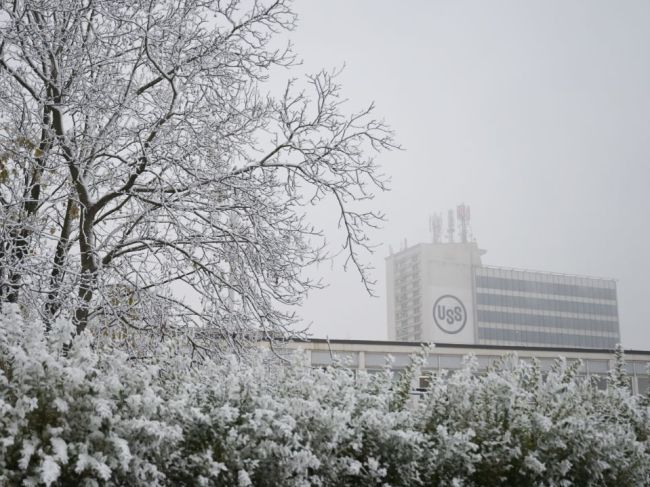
<point x="536" y="114"/>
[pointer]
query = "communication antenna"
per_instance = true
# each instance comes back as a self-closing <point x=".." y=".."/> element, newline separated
<point x="450" y="226"/>
<point x="435" y="227"/>
<point x="463" y="215"/>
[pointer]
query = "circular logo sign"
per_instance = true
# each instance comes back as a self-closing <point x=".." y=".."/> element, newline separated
<point x="449" y="313"/>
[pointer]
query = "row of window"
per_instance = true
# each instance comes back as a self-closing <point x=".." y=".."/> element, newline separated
<point x="404" y="309"/>
<point x="528" y="337"/>
<point x="401" y="359"/>
<point x="523" y="285"/>
<point x="409" y="338"/>
<point x="547" y="304"/>
<point x="405" y="276"/>
<point x="405" y="269"/>
<point x="405" y="297"/>
<point x="407" y="305"/>
<point x="453" y="361"/>
<point x="407" y="314"/>
<point x="403" y="259"/>
<point x="599" y="381"/>
<point x="408" y="323"/>
<point x="525" y="319"/>
<point x="407" y="328"/>
<point x="408" y="335"/>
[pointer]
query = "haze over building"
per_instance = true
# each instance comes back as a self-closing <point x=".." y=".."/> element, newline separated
<point x="441" y="292"/>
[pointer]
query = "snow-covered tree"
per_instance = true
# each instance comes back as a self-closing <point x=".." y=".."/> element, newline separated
<point x="143" y="160"/>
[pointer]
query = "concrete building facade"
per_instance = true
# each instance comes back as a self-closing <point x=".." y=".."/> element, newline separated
<point x="442" y="293"/>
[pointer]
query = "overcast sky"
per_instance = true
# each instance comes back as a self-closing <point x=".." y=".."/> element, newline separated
<point x="536" y="114"/>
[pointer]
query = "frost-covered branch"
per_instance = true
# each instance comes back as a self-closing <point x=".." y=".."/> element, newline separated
<point x="147" y="175"/>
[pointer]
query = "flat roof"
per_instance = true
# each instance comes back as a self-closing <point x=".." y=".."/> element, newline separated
<point x="549" y="273"/>
<point x="467" y="345"/>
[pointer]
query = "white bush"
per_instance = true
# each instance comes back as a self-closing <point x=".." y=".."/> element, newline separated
<point x="84" y="416"/>
<point x="84" y="419"/>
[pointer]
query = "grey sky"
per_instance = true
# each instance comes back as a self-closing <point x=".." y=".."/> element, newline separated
<point x="537" y="114"/>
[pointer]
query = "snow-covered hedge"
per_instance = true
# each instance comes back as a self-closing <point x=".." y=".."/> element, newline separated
<point x="92" y="417"/>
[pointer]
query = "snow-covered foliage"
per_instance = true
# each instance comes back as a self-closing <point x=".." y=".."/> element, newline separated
<point x="85" y="418"/>
<point x="82" y="415"/>
<point x="145" y="160"/>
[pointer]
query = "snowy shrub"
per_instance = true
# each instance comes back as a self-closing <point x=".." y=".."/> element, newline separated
<point x="516" y="427"/>
<point x="81" y="419"/>
<point x="292" y="425"/>
<point x="75" y="414"/>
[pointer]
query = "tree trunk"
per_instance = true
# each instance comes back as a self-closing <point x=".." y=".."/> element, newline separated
<point x="53" y="303"/>
<point x="88" y="278"/>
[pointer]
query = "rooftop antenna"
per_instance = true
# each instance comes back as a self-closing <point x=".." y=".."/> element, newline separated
<point x="450" y="226"/>
<point x="435" y="227"/>
<point x="463" y="215"/>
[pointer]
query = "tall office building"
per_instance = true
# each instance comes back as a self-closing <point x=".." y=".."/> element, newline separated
<point x="441" y="292"/>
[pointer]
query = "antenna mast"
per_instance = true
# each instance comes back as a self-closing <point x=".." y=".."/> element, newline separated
<point x="435" y="227"/>
<point x="463" y="215"/>
<point x="451" y="224"/>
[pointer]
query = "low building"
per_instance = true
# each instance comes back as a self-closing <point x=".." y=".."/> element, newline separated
<point x="373" y="356"/>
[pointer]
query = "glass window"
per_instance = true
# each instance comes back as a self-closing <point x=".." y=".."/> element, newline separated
<point x="600" y="381"/>
<point x="320" y="357"/>
<point x="640" y="368"/>
<point x="432" y="362"/>
<point x="534" y="337"/>
<point x="375" y="359"/>
<point x="545" y="364"/>
<point x="551" y="338"/>
<point x="643" y="384"/>
<point x="451" y="361"/>
<point x="594" y="341"/>
<point x="401" y="359"/>
<point x="485" y="362"/>
<point x="597" y="366"/>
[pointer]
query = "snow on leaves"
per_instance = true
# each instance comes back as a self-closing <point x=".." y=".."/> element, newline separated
<point x="227" y="422"/>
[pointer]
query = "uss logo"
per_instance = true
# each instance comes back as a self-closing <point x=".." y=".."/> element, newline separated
<point x="450" y="314"/>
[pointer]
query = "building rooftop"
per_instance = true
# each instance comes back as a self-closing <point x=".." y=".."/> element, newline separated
<point x="465" y="345"/>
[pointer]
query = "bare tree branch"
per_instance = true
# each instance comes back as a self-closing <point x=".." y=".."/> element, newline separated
<point x="150" y="185"/>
